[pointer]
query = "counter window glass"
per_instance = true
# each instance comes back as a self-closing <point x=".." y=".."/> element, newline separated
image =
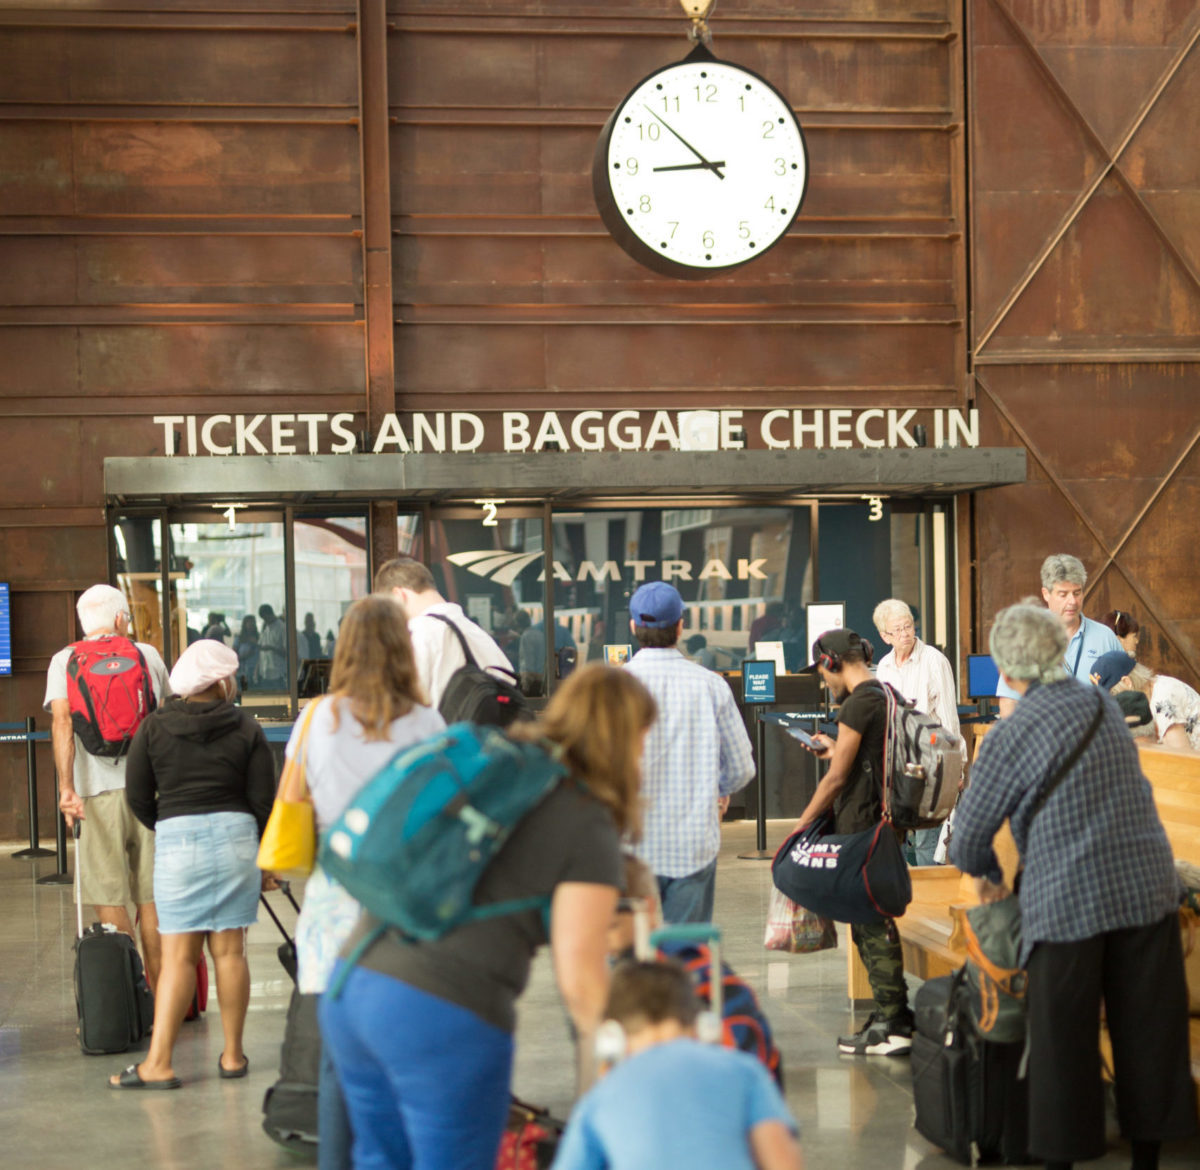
<point x="495" y="571"/>
<point x="745" y="575"/>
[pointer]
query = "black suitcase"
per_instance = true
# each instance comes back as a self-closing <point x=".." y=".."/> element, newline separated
<point x="290" y="1104"/>
<point x="113" y="1001"/>
<point x="968" y="1098"/>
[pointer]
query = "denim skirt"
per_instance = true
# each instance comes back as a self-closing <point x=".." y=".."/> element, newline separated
<point x="205" y="872"/>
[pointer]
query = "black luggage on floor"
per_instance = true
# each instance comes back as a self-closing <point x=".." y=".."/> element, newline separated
<point x="290" y="1106"/>
<point x="968" y="1098"/>
<point x="112" y="998"/>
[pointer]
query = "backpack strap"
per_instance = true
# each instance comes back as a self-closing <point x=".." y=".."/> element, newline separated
<point x="462" y="641"/>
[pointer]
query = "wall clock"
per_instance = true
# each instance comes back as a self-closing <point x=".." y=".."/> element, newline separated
<point x="701" y="168"/>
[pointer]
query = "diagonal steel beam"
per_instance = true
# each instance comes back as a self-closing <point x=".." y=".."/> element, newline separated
<point x="1085" y="196"/>
<point x="1111" y="554"/>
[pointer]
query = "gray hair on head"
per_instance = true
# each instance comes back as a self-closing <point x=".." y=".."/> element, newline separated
<point x="886" y="612"/>
<point x="1028" y="644"/>
<point x="1063" y="567"/>
<point x="99" y="607"/>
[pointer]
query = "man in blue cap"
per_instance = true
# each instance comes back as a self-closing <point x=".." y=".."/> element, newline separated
<point x="697" y="755"/>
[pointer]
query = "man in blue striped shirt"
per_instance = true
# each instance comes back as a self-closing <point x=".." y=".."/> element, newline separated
<point x="697" y="755"/>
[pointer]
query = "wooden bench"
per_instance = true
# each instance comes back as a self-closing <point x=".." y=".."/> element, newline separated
<point x="927" y="930"/>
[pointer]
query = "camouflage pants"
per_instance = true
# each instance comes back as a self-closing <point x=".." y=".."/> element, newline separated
<point x="884" y="961"/>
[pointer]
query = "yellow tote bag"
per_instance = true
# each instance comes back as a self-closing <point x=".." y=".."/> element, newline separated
<point x="289" y="842"/>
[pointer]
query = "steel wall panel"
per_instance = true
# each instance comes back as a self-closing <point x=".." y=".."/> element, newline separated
<point x="1086" y="343"/>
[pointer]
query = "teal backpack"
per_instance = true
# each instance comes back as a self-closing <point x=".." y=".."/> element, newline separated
<point x="413" y="844"/>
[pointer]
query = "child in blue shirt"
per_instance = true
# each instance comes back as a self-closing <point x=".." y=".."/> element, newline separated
<point x="672" y="1101"/>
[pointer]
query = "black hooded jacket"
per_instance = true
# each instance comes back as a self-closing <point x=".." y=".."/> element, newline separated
<point x="189" y="758"/>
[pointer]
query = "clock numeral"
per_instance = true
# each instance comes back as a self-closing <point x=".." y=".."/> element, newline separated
<point x="744" y="229"/>
<point x="770" y="204"/>
<point x="709" y="94"/>
<point x="742" y="103"/>
<point x="781" y="166"/>
<point x="667" y="103"/>
<point x="708" y="239"/>
<point x="650" y="132"/>
<point x="674" y="227"/>
<point x="644" y="203"/>
<point x="631" y="166"/>
<point x="768" y="130"/>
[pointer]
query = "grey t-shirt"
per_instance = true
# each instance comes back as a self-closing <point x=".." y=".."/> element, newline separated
<point x="484" y="966"/>
<point x="97" y="774"/>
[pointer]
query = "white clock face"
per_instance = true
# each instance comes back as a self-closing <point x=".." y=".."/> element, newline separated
<point x="706" y="165"/>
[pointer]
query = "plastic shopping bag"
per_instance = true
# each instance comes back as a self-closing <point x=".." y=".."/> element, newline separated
<point x="796" y="930"/>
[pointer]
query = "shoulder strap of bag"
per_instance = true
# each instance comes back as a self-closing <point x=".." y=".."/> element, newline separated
<point x="299" y="761"/>
<point x="1082" y="640"/>
<point x="462" y="641"/>
<point x="892" y="698"/>
<point x="1069" y="762"/>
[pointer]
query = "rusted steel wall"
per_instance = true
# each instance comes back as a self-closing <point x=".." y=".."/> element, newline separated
<point x="510" y="290"/>
<point x="191" y="192"/>
<point x="1085" y="191"/>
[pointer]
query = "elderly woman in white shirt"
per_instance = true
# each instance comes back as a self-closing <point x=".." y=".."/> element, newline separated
<point x="1174" y="706"/>
<point x="922" y="674"/>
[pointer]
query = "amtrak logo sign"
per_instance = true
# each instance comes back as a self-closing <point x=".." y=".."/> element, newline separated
<point x="503" y="568"/>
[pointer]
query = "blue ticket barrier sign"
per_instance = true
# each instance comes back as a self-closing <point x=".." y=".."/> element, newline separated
<point x="758" y="682"/>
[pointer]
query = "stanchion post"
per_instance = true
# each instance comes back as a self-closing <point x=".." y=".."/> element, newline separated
<point x="35" y="849"/>
<point x="760" y="785"/>
<point x="61" y="877"/>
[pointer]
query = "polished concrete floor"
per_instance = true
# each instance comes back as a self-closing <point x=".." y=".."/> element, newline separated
<point x="55" y="1110"/>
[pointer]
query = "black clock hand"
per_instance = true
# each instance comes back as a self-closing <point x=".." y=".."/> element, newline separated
<point x="705" y="164"/>
<point x="700" y="166"/>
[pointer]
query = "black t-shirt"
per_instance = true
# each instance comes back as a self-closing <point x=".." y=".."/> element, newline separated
<point x="860" y="803"/>
<point x="484" y="965"/>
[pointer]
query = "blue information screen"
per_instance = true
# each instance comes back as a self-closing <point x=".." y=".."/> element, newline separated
<point x="5" y="630"/>
<point x="982" y="676"/>
<point x="758" y="682"/>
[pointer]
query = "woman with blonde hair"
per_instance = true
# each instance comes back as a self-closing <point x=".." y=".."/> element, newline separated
<point x="374" y="708"/>
<point x="422" y="1031"/>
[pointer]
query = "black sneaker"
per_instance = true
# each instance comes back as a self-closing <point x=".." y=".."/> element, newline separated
<point x="879" y="1037"/>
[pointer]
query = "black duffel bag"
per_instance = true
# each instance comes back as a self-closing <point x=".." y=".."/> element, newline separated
<point x="849" y="877"/>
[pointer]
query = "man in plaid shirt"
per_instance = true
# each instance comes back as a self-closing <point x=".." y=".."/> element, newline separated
<point x="697" y="755"/>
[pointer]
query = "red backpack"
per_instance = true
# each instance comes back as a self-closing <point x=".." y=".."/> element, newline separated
<point x="109" y="692"/>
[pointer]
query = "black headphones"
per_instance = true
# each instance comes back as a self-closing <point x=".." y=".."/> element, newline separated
<point x="831" y="661"/>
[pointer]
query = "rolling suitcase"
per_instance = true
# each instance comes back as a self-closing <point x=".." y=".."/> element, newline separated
<point x="968" y="1096"/>
<point x="112" y="998"/>
<point x="290" y="1104"/>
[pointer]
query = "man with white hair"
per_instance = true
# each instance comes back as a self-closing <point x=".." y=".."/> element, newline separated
<point x="922" y="675"/>
<point x="1063" y="579"/>
<point x="115" y="853"/>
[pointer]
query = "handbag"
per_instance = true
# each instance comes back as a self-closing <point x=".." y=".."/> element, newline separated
<point x="289" y="842"/>
<point x="795" y="930"/>
<point x="994" y="979"/>
<point x="849" y="877"/>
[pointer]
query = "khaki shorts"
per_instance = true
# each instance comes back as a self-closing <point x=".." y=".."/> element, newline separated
<point x="114" y="854"/>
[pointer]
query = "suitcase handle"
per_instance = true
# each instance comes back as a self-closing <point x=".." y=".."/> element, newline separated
<point x="75" y="830"/>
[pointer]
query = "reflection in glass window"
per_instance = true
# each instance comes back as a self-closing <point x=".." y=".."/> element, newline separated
<point x="331" y="574"/>
<point x="495" y="572"/>
<point x="744" y="573"/>
<point x="230" y="585"/>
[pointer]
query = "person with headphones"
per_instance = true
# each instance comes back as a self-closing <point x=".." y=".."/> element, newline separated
<point x="853" y="788"/>
<point x="655" y="1105"/>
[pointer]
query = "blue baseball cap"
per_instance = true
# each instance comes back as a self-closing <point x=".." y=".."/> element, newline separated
<point x="1112" y="667"/>
<point x="656" y="605"/>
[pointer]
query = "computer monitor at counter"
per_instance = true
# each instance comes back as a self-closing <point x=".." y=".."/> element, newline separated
<point x="982" y="676"/>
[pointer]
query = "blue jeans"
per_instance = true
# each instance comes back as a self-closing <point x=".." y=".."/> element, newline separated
<point x="426" y="1082"/>
<point x="689" y="898"/>
<point x="334" y="1137"/>
<point x="924" y="845"/>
